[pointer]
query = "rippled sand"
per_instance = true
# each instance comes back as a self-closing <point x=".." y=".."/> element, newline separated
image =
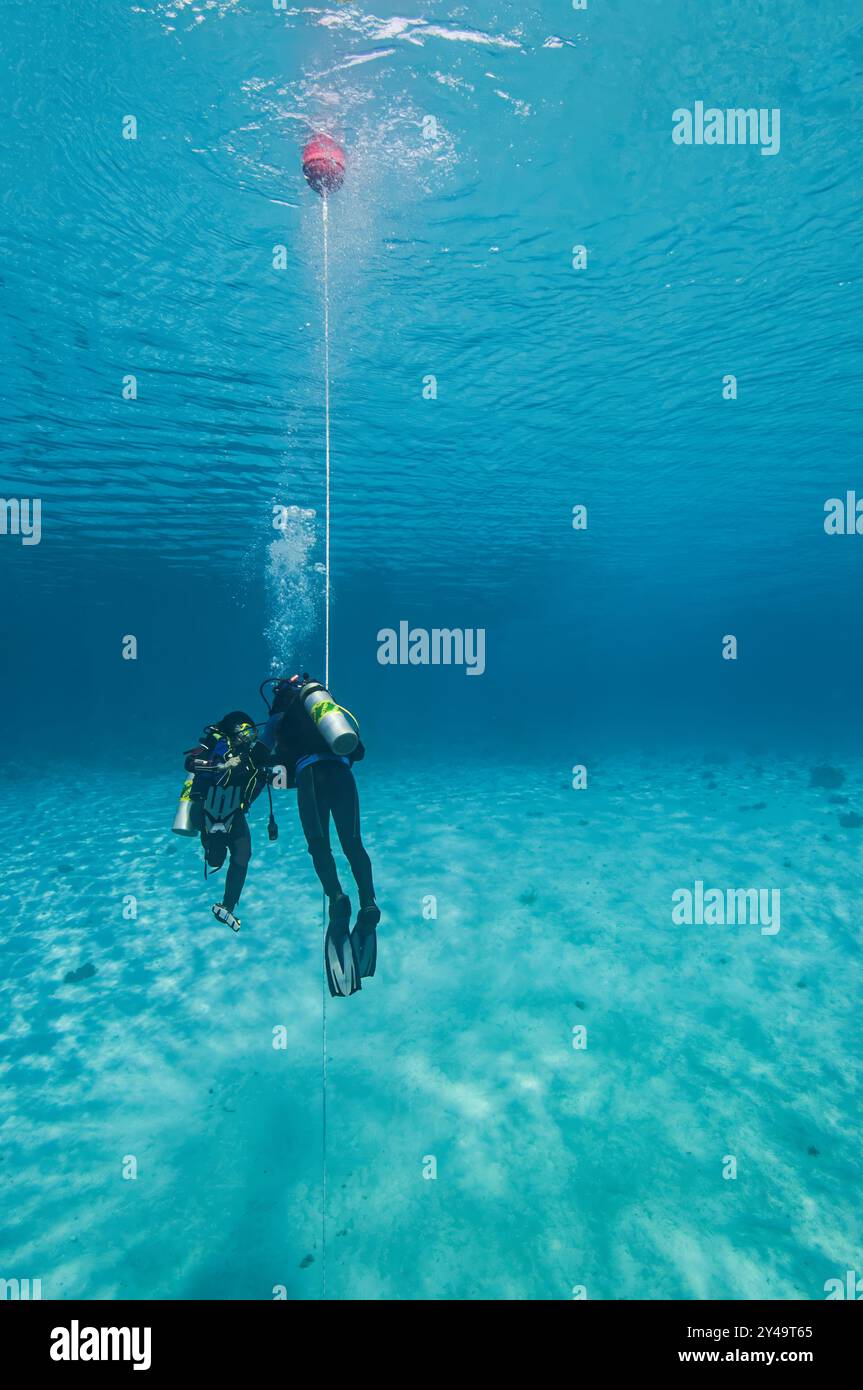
<point x="555" y="1167"/>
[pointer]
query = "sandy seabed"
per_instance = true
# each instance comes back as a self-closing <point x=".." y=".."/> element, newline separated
<point x="557" y="1166"/>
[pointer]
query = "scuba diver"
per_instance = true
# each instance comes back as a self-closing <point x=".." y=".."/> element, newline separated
<point x="317" y="747"/>
<point x="230" y="767"/>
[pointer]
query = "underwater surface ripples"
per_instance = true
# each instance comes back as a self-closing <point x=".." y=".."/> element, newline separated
<point x="154" y="257"/>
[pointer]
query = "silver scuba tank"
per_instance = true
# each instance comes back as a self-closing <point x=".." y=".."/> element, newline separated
<point x="188" y="818"/>
<point x="335" y="724"/>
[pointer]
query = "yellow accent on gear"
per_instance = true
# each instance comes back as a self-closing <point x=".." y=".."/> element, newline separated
<point x="326" y="707"/>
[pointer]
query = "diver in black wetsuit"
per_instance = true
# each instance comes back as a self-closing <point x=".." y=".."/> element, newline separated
<point x="326" y="787"/>
<point x="231" y="767"/>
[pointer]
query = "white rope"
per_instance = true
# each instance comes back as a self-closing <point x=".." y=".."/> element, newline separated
<point x="326" y="683"/>
<point x="327" y="439"/>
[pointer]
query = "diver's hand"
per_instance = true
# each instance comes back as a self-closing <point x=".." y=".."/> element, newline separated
<point x="233" y="761"/>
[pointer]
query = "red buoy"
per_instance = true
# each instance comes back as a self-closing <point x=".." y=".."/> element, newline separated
<point x="324" y="164"/>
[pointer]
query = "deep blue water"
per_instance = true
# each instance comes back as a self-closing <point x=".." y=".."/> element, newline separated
<point x="451" y="255"/>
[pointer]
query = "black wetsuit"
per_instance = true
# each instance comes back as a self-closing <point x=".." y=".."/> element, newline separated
<point x="325" y="786"/>
<point x="225" y="797"/>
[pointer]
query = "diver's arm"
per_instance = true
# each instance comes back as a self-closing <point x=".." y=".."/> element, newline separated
<point x="198" y="759"/>
<point x="358" y="754"/>
<point x="290" y="776"/>
<point x="277" y="730"/>
<point x="261" y="755"/>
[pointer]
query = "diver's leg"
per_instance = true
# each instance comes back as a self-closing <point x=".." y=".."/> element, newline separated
<point x="314" y="809"/>
<point x="340" y="962"/>
<point x="215" y="853"/>
<point x="215" y="848"/>
<point x="345" y="803"/>
<point x="240" y="841"/>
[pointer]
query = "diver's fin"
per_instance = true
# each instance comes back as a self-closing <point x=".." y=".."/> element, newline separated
<point x="365" y="939"/>
<point x="340" y="961"/>
<point x="223" y="915"/>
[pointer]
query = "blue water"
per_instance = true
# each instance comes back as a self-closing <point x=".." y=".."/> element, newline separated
<point x="155" y="1142"/>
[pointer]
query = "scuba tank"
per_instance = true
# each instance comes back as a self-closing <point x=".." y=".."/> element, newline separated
<point x="188" y="818"/>
<point x="330" y="719"/>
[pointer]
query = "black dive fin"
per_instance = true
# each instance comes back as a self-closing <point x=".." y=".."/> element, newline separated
<point x="365" y="940"/>
<point x="226" y="916"/>
<point x="340" y="961"/>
